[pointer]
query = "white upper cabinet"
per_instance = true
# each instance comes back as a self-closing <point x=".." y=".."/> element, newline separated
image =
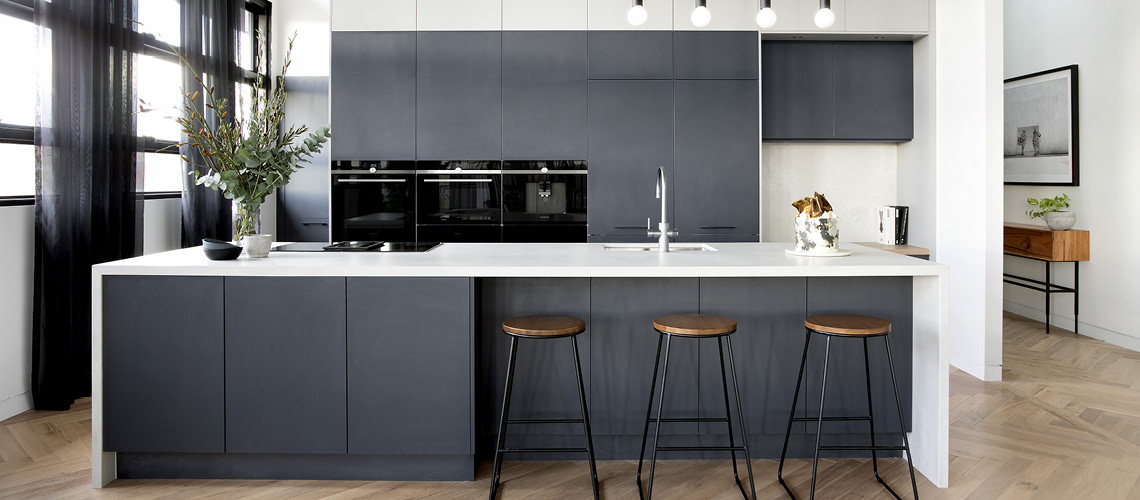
<point x="888" y="16"/>
<point x="545" y="15"/>
<point x="727" y="15"/>
<point x="373" y="15"/>
<point x="798" y="16"/>
<point x="459" y="15"/>
<point x="611" y="15"/>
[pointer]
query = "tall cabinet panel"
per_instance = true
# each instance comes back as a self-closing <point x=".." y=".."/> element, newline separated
<point x="410" y="367"/>
<point x="630" y="135"/>
<point x="631" y="54"/>
<point x="717" y="177"/>
<point x="544" y="95"/>
<point x="459" y="107"/>
<point x="162" y="364"/>
<point x="285" y="365"/>
<point x="373" y="95"/>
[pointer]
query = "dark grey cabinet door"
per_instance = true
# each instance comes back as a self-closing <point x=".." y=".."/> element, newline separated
<point x="544" y="95"/>
<point x="874" y="91"/>
<point x="715" y="55"/>
<point x="285" y="365"/>
<point x="717" y="177"/>
<point x="409" y="366"/>
<point x="459" y="106"/>
<point x="623" y="347"/>
<point x="303" y="205"/>
<point x="373" y="95"/>
<point x="631" y="55"/>
<point x="797" y="92"/>
<point x="631" y="134"/>
<point x="162" y="364"/>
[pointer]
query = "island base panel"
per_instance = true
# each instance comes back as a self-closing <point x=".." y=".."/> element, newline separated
<point x="340" y="467"/>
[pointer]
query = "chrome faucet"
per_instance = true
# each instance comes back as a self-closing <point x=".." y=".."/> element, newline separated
<point x="663" y="233"/>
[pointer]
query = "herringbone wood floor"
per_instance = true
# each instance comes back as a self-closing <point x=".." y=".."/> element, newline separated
<point x="1064" y="424"/>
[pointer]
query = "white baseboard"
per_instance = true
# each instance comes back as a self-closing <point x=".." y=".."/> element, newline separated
<point x="1066" y="322"/>
<point x="979" y="371"/>
<point x="15" y="405"/>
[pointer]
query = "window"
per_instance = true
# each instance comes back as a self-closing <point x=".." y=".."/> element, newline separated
<point x="17" y="104"/>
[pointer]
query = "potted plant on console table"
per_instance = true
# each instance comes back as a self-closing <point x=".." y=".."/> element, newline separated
<point x="1050" y="209"/>
<point x="247" y="158"/>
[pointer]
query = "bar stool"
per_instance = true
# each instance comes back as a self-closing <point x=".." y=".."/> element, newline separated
<point x="858" y="327"/>
<point x="542" y="327"/>
<point x="695" y="326"/>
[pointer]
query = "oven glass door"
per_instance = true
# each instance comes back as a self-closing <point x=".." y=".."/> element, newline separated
<point x="373" y="207"/>
<point x="460" y="199"/>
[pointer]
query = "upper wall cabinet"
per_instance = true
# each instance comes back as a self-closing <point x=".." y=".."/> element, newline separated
<point x="724" y="55"/>
<point x="611" y="15"/>
<point x="888" y="16"/>
<point x="374" y="95"/>
<point x="797" y="81"/>
<point x="459" y="106"/>
<point x="370" y="15"/>
<point x="544" y="95"/>
<point x="631" y="55"/>
<point x="727" y="15"/>
<point x="459" y="15"/>
<point x="550" y="15"/>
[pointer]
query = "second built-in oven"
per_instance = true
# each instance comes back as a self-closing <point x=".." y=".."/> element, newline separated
<point x="544" y="201"/>
<point x="459" y="201"/>
<point x="373" y="201"/>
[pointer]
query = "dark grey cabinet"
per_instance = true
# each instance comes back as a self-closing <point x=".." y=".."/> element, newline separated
<point x="716" y="185"/>
<point x="630" y="135"/>
<point x="625" y="55"/>
<point x="162" y="364"/>
<point x="544" y="95"/>
<point x="459" y="106"/>
<point x="285" y="365"/>
<point x="837" y="91"/>
<point x="715" y="55"/>
<point x="303" y="205"/>
<point x="410" y="385"/>
<point x="373" y="95"/>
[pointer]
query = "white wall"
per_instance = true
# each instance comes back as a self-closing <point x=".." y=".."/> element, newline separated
<point x="16" y="251"/>
<point x="1100" y="37"/>
<point x="856" y="178"/>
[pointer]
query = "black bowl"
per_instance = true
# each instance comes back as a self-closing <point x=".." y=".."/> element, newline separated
<point x="222" y="253"/>
<point x="212" y="244"/>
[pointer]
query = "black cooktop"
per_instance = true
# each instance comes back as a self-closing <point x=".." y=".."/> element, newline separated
<point x="389" y="246"/>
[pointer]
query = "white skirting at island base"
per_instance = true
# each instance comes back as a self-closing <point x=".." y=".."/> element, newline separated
<point x="929" y="438"/>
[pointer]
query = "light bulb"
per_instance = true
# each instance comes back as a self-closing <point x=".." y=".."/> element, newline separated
<point x="637" y="15"/>
<point x="825" y="18"/>
<point x="701" y="16"/>
<point x="766" y="18"/>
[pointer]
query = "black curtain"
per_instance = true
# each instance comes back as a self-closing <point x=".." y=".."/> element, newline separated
<point x="88" y="209"/>
<point x="210" y="35"/>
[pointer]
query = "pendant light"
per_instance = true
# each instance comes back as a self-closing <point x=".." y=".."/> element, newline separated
<point x="766" y="18"/>
<point x="637" y="14"/>
<point x="701" y="15"/>
<point x="825" y="18"/>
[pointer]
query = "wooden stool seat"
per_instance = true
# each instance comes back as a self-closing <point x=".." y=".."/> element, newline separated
<point x="695" y="325"/>
<point x="848" y="324"/>
<point x="544" y="326"/>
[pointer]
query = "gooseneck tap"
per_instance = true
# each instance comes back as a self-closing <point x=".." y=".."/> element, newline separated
<point x="663" y="233"/>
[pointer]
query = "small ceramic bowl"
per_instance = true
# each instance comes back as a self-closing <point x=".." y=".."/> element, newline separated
<point x="220" y="250"/>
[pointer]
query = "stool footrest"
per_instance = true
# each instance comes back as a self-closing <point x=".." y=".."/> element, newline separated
<point x="829" y="419"/>
<point x="546" y="421"/>
<point x="543" y="450"/>
<point x="694" y="419"/>
<point x="700" y="448"/>
<point x="863" y="448"/>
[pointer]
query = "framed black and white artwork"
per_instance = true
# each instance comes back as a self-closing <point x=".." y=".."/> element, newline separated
<point x="1040" y="139"/>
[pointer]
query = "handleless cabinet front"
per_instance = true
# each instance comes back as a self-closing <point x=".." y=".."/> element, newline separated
<point x="373" y="95"/>
<point x="459" y="106"/>
<point x="631" y="55"/>
<point x="285" y="365"/>
<point x="544" y="95"/>
<point x="797" y="90"/>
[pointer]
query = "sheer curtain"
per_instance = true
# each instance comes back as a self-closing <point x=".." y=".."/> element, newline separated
<point x="210" y="31"/>
<point x="88" y="205"/>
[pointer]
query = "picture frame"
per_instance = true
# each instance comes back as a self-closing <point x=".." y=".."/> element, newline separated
<point x="1040" y="139"/>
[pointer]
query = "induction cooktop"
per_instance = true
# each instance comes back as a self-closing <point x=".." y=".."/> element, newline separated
<point x="389" y="246"/>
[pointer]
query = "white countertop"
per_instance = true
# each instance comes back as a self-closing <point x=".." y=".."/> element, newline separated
<point x="536" y="260"/>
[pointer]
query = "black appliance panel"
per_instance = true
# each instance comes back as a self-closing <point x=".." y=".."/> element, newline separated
<point x="373" y="200"/>
<point x="537" y="192"/>
<point x="459" y="193"/>
<point x="462" y="233"/>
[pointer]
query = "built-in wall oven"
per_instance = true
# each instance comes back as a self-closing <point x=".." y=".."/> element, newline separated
<point x="373" y="201"/>
<point x="459" y="201"/>
<point x="544" y="201"/>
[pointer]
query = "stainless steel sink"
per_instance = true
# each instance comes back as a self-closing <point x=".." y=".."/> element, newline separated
<point x="639" y="247"/>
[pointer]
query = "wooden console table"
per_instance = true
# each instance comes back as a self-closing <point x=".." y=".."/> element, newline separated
<point x="1043" y="244"/>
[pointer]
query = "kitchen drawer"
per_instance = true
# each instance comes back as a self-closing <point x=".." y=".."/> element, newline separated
<point x="1039" y="242"/>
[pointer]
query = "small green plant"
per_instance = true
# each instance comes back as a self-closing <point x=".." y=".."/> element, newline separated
<point x="1046" y="205"/>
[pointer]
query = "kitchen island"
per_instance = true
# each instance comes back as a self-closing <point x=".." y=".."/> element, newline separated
<point x="390" y="365"/>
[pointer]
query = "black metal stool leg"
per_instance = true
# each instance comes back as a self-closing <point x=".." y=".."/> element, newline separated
<point x="648" y="413"/>
<point x="740" y="416"/>
<point x="871" y="412"/>
<point x="792" y="416"/>
<point x="902" y="419"/>
<point x="586" y="419"/>
<point x="502" y="439"/>
<point x="657" y="430"/>
<point x="819" y="421"/>
<point x="728" y="416"/>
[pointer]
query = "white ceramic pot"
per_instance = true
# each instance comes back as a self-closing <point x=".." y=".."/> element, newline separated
<point x="1060" y="221"/>
<point x="257" y="245"/>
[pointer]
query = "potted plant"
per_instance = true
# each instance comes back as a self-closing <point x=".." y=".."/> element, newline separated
<point x="1050" y="209"/>
<point x="247" y="158"/>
